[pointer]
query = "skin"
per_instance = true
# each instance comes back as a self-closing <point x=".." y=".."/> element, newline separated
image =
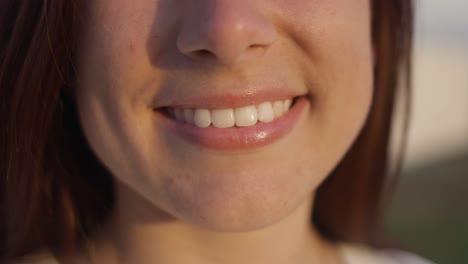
<point x="217" y="207"/>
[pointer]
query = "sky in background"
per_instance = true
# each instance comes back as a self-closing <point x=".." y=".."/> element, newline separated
<point x="442" y="20"/>
<point x="439" y="123"/>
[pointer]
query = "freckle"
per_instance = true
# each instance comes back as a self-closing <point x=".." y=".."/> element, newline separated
<point x="131" y="47"/>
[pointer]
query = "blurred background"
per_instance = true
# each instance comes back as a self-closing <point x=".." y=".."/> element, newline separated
<point x="429" y="212"/>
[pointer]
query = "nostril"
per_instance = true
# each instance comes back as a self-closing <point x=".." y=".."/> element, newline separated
<point x="203" y="53"/>
<point x="256" y="46"/>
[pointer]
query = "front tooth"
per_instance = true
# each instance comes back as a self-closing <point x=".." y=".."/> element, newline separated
<point x="265" y="112"/>
<point x="287" y="105"/>
<point x="278" y="108"/>
<point x="222" y="118"/>
<point x="188" y="115"/>
<point x="202" y="118"/>
<point x="246" y="116"/>
<point x="179" y="114"/>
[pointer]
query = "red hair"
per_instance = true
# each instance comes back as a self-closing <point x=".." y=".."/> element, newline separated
<point x="54" y="192"/>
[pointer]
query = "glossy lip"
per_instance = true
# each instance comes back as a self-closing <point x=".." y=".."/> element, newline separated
<point x="237" y="138"/>
<point x="225" y="100"/>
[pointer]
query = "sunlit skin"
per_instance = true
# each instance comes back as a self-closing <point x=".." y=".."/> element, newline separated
<point x="180" y="202"/>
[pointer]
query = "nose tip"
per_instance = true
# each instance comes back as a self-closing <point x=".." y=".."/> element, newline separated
<point x="228" y="31"/>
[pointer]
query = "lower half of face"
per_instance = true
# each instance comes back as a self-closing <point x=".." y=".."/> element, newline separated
<point x="181" y="109"/>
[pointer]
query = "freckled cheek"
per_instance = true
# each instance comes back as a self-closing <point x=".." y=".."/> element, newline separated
<point x="109" y="64"/>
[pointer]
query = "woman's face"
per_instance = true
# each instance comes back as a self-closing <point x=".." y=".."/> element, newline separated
<point x="174" y="99"/>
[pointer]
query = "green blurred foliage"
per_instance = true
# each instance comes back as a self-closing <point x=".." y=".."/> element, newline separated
<point x="429" y="212"/>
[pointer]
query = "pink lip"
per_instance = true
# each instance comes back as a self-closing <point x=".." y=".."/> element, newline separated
<point x="231" y="100"/>
<point x="235" y="138"/>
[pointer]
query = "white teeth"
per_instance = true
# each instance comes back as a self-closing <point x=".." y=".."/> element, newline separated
<point x="202" y="118"/>
<point x="223" y="118"/>
<point x="265" y="112"/>
<point x="246" y="116"/>
<point x="287" y="105"/>
<point x="278" y="107"/>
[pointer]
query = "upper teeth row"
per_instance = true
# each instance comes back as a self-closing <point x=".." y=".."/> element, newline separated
<point x="224" y="118"/>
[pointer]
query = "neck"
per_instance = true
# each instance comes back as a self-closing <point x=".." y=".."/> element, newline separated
<point x="133" y="236"/>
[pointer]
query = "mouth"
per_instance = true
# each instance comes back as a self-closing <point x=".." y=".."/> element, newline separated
<point x="245" y="116"/>
<point x="245" y="127"/>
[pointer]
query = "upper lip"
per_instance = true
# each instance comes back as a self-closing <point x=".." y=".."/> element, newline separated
<point x="228" y="100"/>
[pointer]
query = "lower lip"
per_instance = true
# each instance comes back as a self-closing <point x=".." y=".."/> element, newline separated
<point x="237" y="138"/>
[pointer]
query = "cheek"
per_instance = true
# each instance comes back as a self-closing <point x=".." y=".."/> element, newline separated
<point x="335" y="48"/>
<point x="343" y="104"/>
<point x="339" y="69"/>
<point x="113" y="72"/>
<point x="113" y="49"/>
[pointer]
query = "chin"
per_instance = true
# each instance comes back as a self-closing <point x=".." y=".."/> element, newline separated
<point x="235" y="216"/>
<point x="239" y="205"/>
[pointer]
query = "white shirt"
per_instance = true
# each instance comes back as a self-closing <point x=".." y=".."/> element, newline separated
<point x="357" y="254"/>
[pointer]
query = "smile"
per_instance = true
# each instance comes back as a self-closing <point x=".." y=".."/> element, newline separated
<point x="245" y="116"/>
<point x="233" y="129"/>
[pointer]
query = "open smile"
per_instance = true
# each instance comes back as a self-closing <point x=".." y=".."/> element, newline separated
<point x="234" y="129"/>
